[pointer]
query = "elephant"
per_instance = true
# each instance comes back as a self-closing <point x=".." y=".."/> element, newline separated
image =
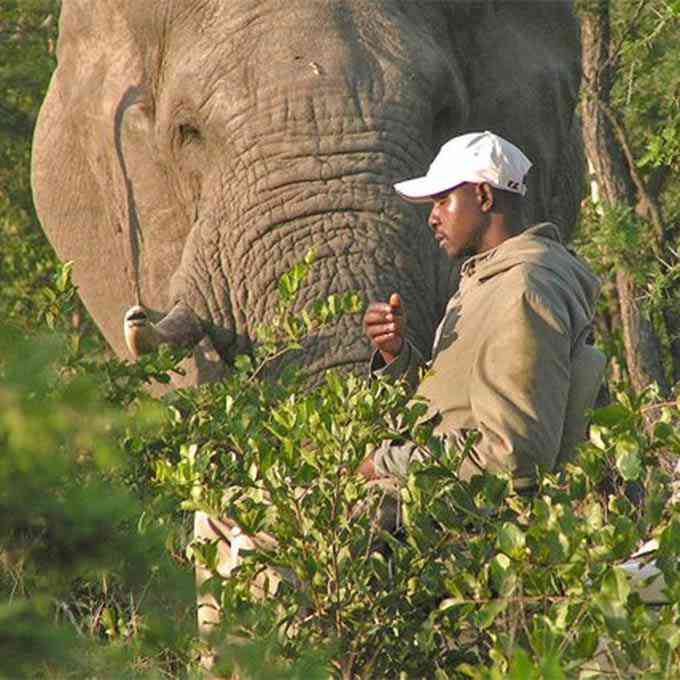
<point x="189" y="152"/>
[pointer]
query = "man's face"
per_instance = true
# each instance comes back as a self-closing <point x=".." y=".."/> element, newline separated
<point x="457" y="220"/>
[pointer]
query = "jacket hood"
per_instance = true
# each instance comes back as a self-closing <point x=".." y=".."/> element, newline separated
<point x="540" y="245"/>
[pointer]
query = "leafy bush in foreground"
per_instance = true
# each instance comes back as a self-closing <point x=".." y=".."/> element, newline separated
<point x="476" y="581"/>
<point x="67" y="523"/>
<point x="480" y="582"/>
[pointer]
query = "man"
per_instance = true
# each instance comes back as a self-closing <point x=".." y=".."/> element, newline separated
<point x="510" y="360"/>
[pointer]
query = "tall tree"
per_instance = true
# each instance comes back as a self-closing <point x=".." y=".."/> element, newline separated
<point x="626" y="195"/>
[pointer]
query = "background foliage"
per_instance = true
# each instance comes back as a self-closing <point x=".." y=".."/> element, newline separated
<point x="27" y="39"/>
<point x="97" y="479"/>
<point x="629" y="225"/>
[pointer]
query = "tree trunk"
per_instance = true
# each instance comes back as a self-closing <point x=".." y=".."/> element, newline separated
<point x="616" y="186"/>
<point x="639" y="338"/>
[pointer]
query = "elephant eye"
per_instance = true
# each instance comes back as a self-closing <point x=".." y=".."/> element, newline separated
<point x="188" y="134"/>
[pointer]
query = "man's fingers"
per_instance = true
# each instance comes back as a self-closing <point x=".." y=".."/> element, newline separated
<point x="383" y="338"/>
<point x="384" y="329"/>
<point x="378" y="308"/>
<point x="384" y="307"/>
<point x="385" y="325"/>
<point x="390" y="342"/>
<point x="370" y="324"/>
<point x="376" y="315"/>
<point x="381" y="313"/>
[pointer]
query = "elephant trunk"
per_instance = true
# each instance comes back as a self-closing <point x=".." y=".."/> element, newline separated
<point x="323" y="184"/>
<point x="179" y="328"/>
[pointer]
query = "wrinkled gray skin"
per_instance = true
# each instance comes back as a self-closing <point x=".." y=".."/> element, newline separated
<point x="189" y="152"/>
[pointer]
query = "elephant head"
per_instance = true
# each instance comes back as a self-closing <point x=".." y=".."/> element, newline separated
<point x="190" y="152"/>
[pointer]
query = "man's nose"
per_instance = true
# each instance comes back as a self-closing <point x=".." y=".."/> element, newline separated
<point x="433" y="219"/>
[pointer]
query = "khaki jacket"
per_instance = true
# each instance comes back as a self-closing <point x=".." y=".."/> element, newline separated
<point x="510" y="358"/>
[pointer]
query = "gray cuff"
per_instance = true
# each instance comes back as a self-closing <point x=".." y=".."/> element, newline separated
<point x="392" y="460"/>
<point x="400" y="367"/>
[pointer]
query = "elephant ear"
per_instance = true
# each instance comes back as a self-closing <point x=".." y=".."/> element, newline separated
<point x="97" y="176"/>
<point x="522" y="68"/>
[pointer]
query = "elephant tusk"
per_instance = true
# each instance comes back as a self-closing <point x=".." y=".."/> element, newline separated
<point x="179" y="328"/>
<point x="141" y="336"/>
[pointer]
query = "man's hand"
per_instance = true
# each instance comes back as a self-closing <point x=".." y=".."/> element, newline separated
<point x="385" y="326"/>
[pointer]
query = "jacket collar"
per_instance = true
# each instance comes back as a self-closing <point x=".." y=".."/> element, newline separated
<point x="543" y="230"/>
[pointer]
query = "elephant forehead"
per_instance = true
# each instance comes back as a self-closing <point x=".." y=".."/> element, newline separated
<point x="247" y="48"/>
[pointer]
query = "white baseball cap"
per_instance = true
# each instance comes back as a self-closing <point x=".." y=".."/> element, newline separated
<point x="473" y="157"/>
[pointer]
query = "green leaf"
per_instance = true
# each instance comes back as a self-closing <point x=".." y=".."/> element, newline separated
<point x="663" y="431"/>
<point x="670" y="634"/>
<point x="511" y="540"/>
<point x="551" y="668"/>
<point x="614" y="613"/>
<point x="611" y="415"/>
<point x="597" y="436"/>
<point x="502" y="574"/>
<point x="468" y="670"/>
<point x="449" y="602"/>
<point x="488" y="613"/>
<point x="586" y="642"/>
<point x="612" y="599"/>
<point x="628" y="461"/>
<point x="522" y="668"/>
<point x="310" y="257"/>
<point x="64" y="276"/>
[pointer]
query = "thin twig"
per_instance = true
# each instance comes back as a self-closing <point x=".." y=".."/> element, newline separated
<point x="521" y="599"/>
<point x="662" y="404"/>
<point x="612" y="661"/>
<point x="588" y="669"/>
<point x="69" y="614"/>
<point x="267" y="361"/>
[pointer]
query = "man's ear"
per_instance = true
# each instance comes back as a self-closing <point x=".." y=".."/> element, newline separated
<point x="485" y="197"/>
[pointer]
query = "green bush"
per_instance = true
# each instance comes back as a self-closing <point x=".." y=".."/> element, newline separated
<point x="69" y="529"/>
<point x="479" y="581"/>
<point x="476" y="581"/>
<point x="97" y="480"/>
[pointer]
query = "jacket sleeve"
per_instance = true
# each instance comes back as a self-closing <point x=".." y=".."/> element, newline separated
<point x="407" y="365"/>
<point x="519" y="390"/>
